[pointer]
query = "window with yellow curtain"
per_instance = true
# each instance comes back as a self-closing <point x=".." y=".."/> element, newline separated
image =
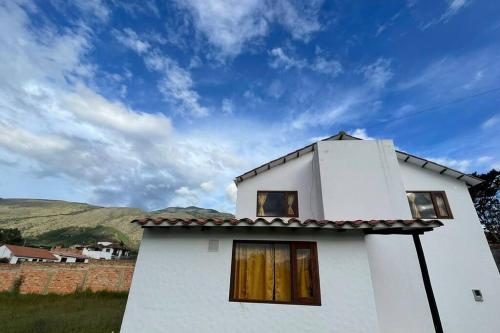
<point x="277" y="204"/>
<point x="276" y="272"/>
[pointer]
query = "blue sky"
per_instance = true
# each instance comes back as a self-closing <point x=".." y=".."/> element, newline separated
<point x="154" y="103"/>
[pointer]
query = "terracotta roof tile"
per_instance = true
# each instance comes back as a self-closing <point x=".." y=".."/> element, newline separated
<point x="30" y="252"/>
<point x="286" y="222"/>
<point x="69" y="253"/>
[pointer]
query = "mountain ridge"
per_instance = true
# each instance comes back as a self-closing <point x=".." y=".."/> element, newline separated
<point x="46" y="222"/>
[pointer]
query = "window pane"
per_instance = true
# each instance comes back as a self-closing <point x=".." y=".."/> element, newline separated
<point x="303" y="274"/>
<point x="271" y="204"/>
<point x="441" y="206"/>
<point x="262" y="272"/>
<point x="421" y="205"/>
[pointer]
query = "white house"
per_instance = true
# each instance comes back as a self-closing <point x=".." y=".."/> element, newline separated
<point x="17" y="254"/>
<point x="343" y="235"/>
<point x="103" y="250"/>
<point x="69" y="255"/>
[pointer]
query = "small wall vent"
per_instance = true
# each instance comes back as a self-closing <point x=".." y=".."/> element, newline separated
<point x="213" y="245"/>
<point x="478" y="295"/>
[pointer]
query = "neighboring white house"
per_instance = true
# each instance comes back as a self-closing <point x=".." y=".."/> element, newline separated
<point x="69" y="255"/>
<point x="103" y="250"/>
<point x="17" y="254"/>
<point x="343" y="235"/>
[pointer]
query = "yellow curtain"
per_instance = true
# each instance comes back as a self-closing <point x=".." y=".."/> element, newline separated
<point x="413" y="205"/>
<point x="440" y="204"/>
<point x="261" y="199"/>
<point x="254" y="272"/>
<point x="282" y="273"/>
<point x="303" y="274"/>
<point x="290" y="200"/>
<point x="262" y="272"/>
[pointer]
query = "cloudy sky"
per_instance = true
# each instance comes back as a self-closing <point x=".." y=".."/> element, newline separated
<point x="154" y="104"/>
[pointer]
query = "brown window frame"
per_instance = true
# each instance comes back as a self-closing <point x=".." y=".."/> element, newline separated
<point x="285" y="203"/>
<point x="294" y="245"/>
<point x="434" y="204"/>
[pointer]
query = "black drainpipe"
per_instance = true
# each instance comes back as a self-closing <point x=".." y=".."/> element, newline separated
<point x="427" y="284"/>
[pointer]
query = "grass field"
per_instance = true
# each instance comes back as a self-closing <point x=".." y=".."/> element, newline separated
<point x="81" y="312"/>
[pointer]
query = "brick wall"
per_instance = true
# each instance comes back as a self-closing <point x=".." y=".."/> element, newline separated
<point x="61" y="278"/>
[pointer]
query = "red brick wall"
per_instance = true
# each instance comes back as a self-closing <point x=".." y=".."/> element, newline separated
<point x="61" y="278"/>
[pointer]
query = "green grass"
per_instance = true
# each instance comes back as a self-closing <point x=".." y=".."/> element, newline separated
<point x="80" y="312"/>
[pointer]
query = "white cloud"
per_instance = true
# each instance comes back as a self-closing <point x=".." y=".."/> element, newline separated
<point x="207" y="186"/>
<point x="484" y="159"/>
<point x="361" y="133"/>
<point x="54" y="125"/>
<point x="227" y="106"/>
<point x="456" y="76"/>
<point x="279" y="59"/>
<point x="93" y="8"/>
<point x="327" y="116"/>
<point x="231" y="192"/>
<point x="230" y="25"/>
<point x="282" y="60"/>
<point x="276" y="89"/>
<point x="467" y="165"/>
<point x="176" y="84"/>
<point x="454" y="6"/>
<point x="461" y="165"/>
<point x="331" y="67"/>
<point x="381" y="28"/>
<point x="491" y="122"/>
<point x="378" y="73"/>
<point x="129" y="38"/>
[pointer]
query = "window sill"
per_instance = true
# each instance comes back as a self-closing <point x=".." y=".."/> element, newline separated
<point x="273" y="302"/>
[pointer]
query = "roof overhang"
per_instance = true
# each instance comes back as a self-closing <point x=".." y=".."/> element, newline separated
<point x="405" y="157"/>
<point x="365" y="225"/>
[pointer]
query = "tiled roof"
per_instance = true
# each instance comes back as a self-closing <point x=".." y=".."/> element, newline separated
<point x="30" y="252"/>
<point x="69" y="253"/>
<point x="293" y="222"/>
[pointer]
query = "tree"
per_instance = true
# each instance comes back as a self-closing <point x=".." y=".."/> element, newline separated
<point x="486" y="198"/>
<point x="11" y="236"/>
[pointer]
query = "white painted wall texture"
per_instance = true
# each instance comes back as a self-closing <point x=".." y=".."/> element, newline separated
<point x="458" y="258"/>
<point x="360" y="180"/>
<point x="179" y="286"/>
<point x="295" y="175"/>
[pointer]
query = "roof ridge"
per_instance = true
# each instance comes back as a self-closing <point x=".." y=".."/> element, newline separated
<point x="342" y="135"/>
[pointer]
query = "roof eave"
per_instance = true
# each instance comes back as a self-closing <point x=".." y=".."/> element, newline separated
<point x="427" y="164"/>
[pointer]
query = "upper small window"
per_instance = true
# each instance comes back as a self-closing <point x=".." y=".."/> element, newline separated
<point x="277" y="203"/>
<point x="429" y="205"/>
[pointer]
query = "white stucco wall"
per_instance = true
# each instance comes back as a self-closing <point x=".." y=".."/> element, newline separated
<point x="341" y="180"/>
<point x="96" y="254"/>
<point x="295" y="175"/>
<point x="360" y="180"/>
<point x="458" y="259"/>
<point x="178" y="286"/>
<point x="4" y="252"/>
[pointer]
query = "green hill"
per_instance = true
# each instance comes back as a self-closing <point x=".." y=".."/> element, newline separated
<point x="55" y="222"/>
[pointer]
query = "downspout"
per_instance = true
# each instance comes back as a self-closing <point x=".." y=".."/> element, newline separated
<point x="427" y="284"/>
